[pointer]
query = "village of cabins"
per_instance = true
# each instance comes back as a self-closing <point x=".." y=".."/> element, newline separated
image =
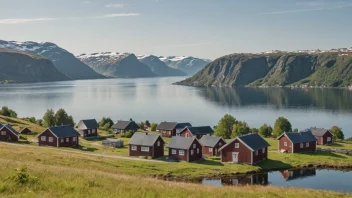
<point x="187" y="143"/>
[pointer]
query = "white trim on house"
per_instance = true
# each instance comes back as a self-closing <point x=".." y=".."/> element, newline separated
<point x="48" y="130"/>
<point x="9" y="130"/>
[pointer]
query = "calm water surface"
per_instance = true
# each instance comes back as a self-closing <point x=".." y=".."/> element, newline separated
<point x="333" y="180"/>
<point x="156" y="99"/>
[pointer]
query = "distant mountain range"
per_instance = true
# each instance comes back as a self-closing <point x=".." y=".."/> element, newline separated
<point x="63" y="60"/>
<point x="16" y="66"/>
<point x="323" y="69"/>
<point x="159" y="67"/>
<point x="187" y="64"/>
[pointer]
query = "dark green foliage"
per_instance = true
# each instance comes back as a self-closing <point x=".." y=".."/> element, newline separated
<point x="141" y="125"/>
<point x="62" y="118"/>
<point x="5" y="111"/>
<point x="337" y="132"/>
<point x="265" y="130"/>
<point x="39" y="122"/>
<point x="49" y="118"/>
<point x="225" y="126"/>
<point x="153" y="127"/>
<point x="129" y="134"/>
<point x="21" y="176"/>
<point x="239" y="129"/>
<point x="147" y="123"/>
<point x="105" y="123"/>
<point x="281" y="125"/>
<point x="254" y="130"/>
<point x="295" y="130"/>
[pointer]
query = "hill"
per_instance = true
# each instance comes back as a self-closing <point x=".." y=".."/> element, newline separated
<point x="187" y="64"/>
<point x="328" y="69"/>
<point x="63" y="60"/>
<point x="18" y="67"/>
<point x="159" y="67"/>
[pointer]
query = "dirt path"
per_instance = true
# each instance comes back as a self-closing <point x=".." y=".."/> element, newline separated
<point x="85" y="153"/>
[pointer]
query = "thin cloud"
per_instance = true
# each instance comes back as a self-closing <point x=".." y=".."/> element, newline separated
<point x="119" y="15"/>
<point x="22" y="20"/>
<point x="114" y="6"/>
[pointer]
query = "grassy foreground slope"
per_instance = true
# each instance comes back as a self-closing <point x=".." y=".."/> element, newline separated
<point x="55" y="173"/>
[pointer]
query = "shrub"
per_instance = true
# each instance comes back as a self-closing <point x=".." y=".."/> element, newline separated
<point x="153" y="127"/>
<point x="129" y="134"/>
<point x="5" y="111"/>
<point x="21" y="176"/>
<point x="337" y="132"/>
<point x="265" y="130"/>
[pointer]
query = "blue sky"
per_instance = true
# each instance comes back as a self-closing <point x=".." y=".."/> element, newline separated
<point x="201" y="28"/>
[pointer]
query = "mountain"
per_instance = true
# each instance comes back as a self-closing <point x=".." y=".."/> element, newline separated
<point x="330" y="69"/>
<point x="18" y="66"/>
<point x="118" y="65"/>
<point x="159" y="67"/>
<point x="189" y="65"/>
<point x="63" y="60"/>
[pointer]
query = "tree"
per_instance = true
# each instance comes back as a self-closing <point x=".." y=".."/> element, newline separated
<point x="295" y="130"/>
<point x="141" y="125"/>
<point x="153" y="127"/>
<point x="265" y="130"/>
<point x="5" y="111"/>
<point x="39" y="122"/>
<point x="225" y="126"/>
<point x="147" y="123"/>
<point x="240" y="128"/>
<point x="253" y="130"/>
<point x="62" y="118"/>
<point x="106" y="126"/>
<point x="104" y="122"/>
<point x="49" y="118"/>
<point x="281" y="125"/>
<point x="337" y="132"/>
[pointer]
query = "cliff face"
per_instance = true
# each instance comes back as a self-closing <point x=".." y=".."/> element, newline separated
<point x="325" y="69"/>
<point x="25" y="67"/>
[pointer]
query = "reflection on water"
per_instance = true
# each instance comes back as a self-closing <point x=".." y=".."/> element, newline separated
<point x="303" y="178"/>
<point x="156" y="99"/>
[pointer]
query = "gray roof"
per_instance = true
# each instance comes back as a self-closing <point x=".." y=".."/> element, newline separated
<point x="202" y="130"/>
<point x="88" y="124"/>
<point x="144" y="139"/>
<point x="179" y="142"/>
<point x="318" y="131"/>
<point x="253" y="141"/>
<point x="64" y="131"/>
<point x="183" y="125"/>
<point x="209" y="141"/>
<point x="303" y="136"/>
<point x="120" y="124"/>
<point x="9" y="127"/>
<point x="166" y="126"/>
<point x="1" y="125"/>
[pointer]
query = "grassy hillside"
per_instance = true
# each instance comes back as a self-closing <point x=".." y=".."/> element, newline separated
<point x="325" y="69"/>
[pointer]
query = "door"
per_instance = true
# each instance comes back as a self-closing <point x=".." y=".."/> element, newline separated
<point x="235" y="157"/>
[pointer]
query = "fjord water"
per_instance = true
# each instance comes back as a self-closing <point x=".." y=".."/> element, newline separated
<point x="156" y="99"/>
<point x="333" y="180"/>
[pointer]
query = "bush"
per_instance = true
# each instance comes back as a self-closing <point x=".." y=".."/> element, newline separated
<point x="5" y="111"/>
<point x="337" y="132"/>
<point x="104" y="121"/>
<point x="129" y="134"/>
<point x="265" y="130"/>
<point x="21" y="176"/>
<point x="153" y="127"/>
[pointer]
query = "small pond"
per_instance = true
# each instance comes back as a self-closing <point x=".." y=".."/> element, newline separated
<point x="334" y="180"/>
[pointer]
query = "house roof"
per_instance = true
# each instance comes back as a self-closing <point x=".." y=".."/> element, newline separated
<point x="88" y="124"/>
<point x="166" y="126"/>
<point x="144" y="139"/>
<point x="303" y="136"/>
<point x="9" y="127"/>
<point x="64" y="131"/>
<point x="202" y="130"/>
<point x="179" y="142"/>
<point x="1" y="125"/>
<point x="26" y="128"/>
<point x="120" y="124"/>
<point x="183" y="125"/>
<point x="209" y="141"/>
<point x="318" y="131"/>
<point x="252" y="141"/>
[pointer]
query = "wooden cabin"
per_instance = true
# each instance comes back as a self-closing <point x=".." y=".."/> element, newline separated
<point x="169" y="129"/>
<point x="197" y="132"/>
<point x="248" y="149"/>
<point x="88" y="128"/>
<point x="297" y="142"/>
<point x="7" y="133"/>
<point x="211" y="145"/>
<point x="121" y="126"/>
<point x="26" y="131"/>
<point x="323" y="136"/>
<point x="145" y="144"/>
<point x="185" y="149"/>
<point x="60" y="136"/>
<point x="180" y="126"/>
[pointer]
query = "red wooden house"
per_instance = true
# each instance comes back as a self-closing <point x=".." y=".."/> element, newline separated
<point x="60" y="136"/>
<point x="26" y="131"/>
<point x="7" y="133"/>
<point x="211" y="145"/>
<point x="88" y="128"/>
<point x="145" y="144"/>
<point x="323" y="136"/>
<point x="297" y="142"/>
<point x="169" y="129"/>
<point x="185" y="149"/>
<point x="121" y="126"/>
<point x="197" y="132"/>
<point x="249" y="149"/>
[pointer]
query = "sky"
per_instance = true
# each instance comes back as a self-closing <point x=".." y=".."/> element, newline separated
<point x="200" y="28"/>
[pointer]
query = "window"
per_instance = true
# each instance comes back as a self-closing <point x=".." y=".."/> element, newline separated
<point x="301" y="145"/>
<point x="219" y="143"/>
<point x="256" y="152"/>
<point x="181" y="152"/>
<point x="134" y="148"/>
<point x="307" y="144"/>
<point x="62" y="140"/>
<point x="192" y="152"/>
<point x="88" y="131"/>
<point x="3" y="132"/>
<point x="74" y="139"/>
<point x="197" y="150"/>
<point x="51" y="139"/>
<point x="43" y="138"/>
<point x="210" y="149"/>
<point x="67" y="139"/>
<point x="263" y="150"/>
<point x="329" y="139"/>
<point x="237" y="145"/>
<point x="93" y="130"/>
<point x="173" y="151"/>
<point x="158" y="143"/>
<point x="194" y="146"/>
<point x="145" y="149"/>
<point x="186" y="134"/>
<point x="285" y="143"/>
